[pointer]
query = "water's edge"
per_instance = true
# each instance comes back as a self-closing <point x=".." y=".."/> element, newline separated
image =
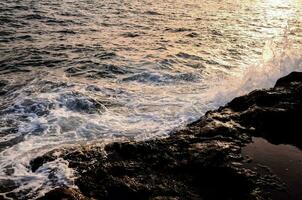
<point x="203" y="160"/>
<point x="77" y="72"/>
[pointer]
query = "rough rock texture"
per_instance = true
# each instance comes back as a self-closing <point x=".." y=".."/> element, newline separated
<point x="202" y="161"/>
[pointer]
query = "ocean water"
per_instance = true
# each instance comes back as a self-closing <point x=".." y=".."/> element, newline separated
<point x="84" y="71"/>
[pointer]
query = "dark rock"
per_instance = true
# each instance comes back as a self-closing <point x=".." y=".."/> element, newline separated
<point x="64" y="194"/>
<point x="201" y="161"/>
<point x="273" y="112"/>
<point x="294" y="77"/>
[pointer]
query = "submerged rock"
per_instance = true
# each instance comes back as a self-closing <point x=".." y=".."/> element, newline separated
<point x="201" y="161"/>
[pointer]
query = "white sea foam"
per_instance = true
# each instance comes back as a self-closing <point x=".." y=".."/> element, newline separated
<point x="181" y="64"/>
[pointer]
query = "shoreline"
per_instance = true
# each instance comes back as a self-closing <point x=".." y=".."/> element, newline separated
<point x="202" y="161"/>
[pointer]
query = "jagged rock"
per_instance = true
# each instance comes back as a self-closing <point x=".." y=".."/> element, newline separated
<point x="64" y="193"/>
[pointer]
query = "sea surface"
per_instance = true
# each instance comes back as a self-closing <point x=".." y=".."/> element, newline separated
<point x="84" y="71"/>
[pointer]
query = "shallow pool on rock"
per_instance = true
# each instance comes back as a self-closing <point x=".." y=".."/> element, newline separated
<point x="284" y="160"/>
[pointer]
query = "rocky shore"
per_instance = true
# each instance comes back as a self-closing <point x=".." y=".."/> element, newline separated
<point x="202" y="161"/>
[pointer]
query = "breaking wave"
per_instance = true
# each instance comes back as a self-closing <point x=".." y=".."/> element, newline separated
<point x="102" y="71"/>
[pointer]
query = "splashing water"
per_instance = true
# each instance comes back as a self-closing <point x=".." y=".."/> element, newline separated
<point x="74" y="78"/>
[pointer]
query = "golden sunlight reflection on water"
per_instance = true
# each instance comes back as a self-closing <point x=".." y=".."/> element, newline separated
<point x="152" y="66"/>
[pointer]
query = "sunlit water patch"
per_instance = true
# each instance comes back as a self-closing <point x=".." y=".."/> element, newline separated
<point x="77" y="72"/>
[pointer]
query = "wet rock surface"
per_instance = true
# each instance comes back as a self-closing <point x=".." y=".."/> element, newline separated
<point x="201" y="161"/>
